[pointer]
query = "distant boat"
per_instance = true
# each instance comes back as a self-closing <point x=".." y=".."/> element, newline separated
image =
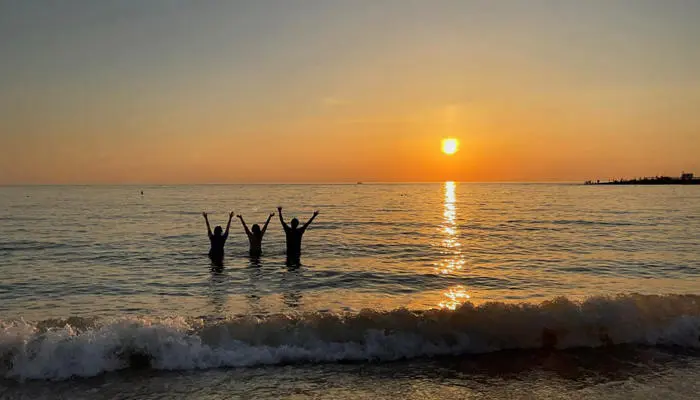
<point x="359" y="183"/>
<point x="686" y="178"/>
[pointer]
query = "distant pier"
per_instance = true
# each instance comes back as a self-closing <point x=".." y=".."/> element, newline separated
<point x="686" y="178"/>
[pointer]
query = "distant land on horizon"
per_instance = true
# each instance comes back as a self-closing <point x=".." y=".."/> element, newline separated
<point x="686" y="178"/>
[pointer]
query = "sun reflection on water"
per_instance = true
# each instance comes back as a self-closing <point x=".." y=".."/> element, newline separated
<point x="450" y="242"/>
<point x="455" y="297"/>
<point x="453" y="261"/>
<point x="450" y="212"/>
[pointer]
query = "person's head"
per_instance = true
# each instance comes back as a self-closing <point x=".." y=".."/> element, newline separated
<point x="256" y="229"/>
<point x="295" y="223"/>
<point x="218" y="231"/>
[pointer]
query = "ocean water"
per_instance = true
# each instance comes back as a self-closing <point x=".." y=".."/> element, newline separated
<point x="457" y="290"/>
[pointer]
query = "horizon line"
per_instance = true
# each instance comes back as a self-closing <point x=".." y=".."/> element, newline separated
<point x="282" y="183"/>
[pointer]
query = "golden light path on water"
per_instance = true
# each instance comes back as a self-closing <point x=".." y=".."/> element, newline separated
<point x="454" y="259"/>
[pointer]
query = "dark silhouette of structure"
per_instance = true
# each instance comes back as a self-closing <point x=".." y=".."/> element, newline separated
<point x="686" y="178"/>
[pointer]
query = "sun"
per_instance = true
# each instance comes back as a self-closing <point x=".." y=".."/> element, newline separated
<point x="450" y="146"/>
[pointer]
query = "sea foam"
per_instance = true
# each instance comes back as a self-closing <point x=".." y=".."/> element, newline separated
<point x="84" y="347"/>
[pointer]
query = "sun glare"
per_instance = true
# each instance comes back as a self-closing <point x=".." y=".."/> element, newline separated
<point x="450" y="146"/>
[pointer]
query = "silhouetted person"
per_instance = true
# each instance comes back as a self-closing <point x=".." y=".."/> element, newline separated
<point x="294" y="234"/>
<point x="255" y="237"/>
<point x="217" y="239"/>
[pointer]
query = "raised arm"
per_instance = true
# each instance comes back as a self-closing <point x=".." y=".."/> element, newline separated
<point x="228" y="226"/>
<point x="310" y="220"/>
<point x="279" y="213"/>
<point x="247" y="231"/>
<point x="266" y="222"/>
<point x="206" y="219"/>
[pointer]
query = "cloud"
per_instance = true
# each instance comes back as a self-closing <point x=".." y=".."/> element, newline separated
<point x="332" y="101"/>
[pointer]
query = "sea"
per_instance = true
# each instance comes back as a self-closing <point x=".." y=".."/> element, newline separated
<point x="415" y="291"/>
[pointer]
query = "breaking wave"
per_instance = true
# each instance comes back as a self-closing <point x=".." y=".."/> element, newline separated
<point x="84" y="347"/>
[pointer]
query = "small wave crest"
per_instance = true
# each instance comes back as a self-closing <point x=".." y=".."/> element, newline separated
<point x="82" y="347"/>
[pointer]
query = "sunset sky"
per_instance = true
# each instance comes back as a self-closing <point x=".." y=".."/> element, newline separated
<point x="343" y="91"/>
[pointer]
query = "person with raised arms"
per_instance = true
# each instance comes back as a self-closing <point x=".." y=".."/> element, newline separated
<point x="255" y="235"/>
<point x="294" y="234"/>
<point x="217" y="240"/>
